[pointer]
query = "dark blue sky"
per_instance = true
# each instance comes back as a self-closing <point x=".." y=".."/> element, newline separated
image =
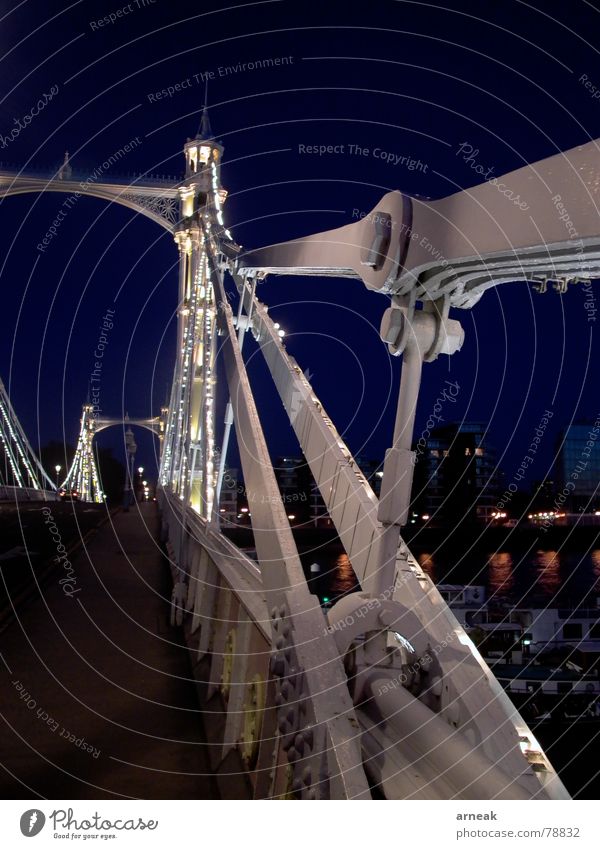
<point x="412" y="79"/>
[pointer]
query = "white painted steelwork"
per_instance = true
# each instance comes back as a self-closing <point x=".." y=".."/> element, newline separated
<point x="386" y="688"/>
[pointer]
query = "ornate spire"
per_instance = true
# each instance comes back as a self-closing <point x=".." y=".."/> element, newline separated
<point x="205" y="132"/>
<point x="65" y="171"/>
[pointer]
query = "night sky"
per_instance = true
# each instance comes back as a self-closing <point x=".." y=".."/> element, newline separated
<point x="409" y="79"/>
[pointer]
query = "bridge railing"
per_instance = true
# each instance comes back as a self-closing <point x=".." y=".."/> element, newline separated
<point x="81" y="175"/>
<point x="218" y="600"/>
<point x="24" y="493"/>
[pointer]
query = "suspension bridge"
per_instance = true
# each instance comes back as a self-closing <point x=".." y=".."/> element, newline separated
<point x="384" y="694"/>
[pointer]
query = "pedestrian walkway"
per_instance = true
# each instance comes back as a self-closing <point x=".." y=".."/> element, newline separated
<point x="98" y="698"/>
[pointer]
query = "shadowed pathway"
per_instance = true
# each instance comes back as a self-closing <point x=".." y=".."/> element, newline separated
<point x="97" y="697"/>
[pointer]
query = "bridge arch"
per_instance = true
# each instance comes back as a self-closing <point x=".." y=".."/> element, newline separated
<point x="154" y="198"/>
<point x="155" y="425"/>
<point x="82" y="476"/>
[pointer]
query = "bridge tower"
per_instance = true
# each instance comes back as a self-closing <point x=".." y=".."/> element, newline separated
<point x="19" y="465"/>
<point x="82" y="476"/>
<point x="188" y="453"/>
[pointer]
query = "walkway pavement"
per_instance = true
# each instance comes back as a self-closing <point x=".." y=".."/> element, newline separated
<point x="98" y="699"/>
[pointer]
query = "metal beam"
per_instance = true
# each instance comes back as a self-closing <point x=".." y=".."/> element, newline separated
<point x="316" y="715"/>
<point x="470" y="697"/>
<point x="539" y="221"/>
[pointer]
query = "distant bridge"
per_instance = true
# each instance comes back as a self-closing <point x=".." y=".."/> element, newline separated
<point x="82" y="476"/>
<point x="22" y="470"/>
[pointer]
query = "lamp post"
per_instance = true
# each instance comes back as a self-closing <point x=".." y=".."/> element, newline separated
<point x="57" y="469"/>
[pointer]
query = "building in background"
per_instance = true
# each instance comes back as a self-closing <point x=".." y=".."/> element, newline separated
<point x="373" y="471"/>
<point x="543" y="495"/>
<point x="456" y="476"/>
<point x="300" y="494"/>
<point x="578" y="467"/>
<point x="319" y="515"/>
<point x="295" y="485"/>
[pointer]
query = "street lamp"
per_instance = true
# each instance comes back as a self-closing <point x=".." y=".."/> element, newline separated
<point x="57" y="469"/>
<point x="141" y="470"/>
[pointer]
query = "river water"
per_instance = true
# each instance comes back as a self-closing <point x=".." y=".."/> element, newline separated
<point x="520" y="572"/>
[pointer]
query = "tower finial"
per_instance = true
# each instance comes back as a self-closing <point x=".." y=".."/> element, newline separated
<point x="205" y="131"/>
<point x="65" y="171"/>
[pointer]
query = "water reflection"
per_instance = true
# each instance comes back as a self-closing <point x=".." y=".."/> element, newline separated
<point x="595" y="558"/>
<point x="343" y="579"/>
<point x="426" y="563"/>
<point x="500" y="574"/>
<point x="547" y="566"/>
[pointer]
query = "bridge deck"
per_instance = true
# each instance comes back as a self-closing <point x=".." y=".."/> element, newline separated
<point x="103" y="671"/>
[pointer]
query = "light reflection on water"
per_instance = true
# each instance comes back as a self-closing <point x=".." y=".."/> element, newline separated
<point x="426" y="563"/>
<point x="500" y="574"/>
<point x="595" y="558"/>
<point x="510" y="575"/>
<point x="547" y="566"/>
<point x="343" y="578"/>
